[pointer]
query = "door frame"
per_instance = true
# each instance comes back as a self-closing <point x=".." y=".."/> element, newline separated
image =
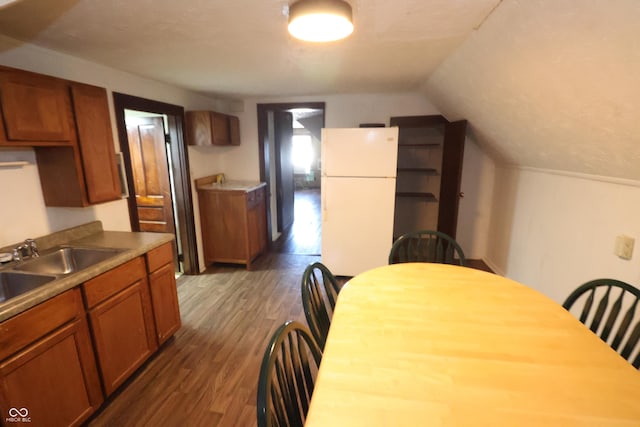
<point x="263" y="144"/>
<point x="179" y="160"/>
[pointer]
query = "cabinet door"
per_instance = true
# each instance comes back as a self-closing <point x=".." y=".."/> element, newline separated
<point x="224" y="225"/>
<point x="164" y="298"/>
<point x="234" y="130"/>
<point x="123" y="334"/>
<point x="55" y="380"/>
<point x="220" y="129"/>
<point x="36" y="109"/>
<point x="199" y="128"/>
<point x="95" y="139"/>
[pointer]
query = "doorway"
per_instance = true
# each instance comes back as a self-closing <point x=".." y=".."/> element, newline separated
<point x="289" y="146"/>
<point x="157" y="173"/>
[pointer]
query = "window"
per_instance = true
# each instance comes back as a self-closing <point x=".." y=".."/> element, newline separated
<point x="302" y="153"/>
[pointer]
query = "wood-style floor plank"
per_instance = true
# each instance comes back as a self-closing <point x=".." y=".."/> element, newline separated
<point x="207" y="374"/>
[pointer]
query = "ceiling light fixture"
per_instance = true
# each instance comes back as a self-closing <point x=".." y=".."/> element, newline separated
<point x="320" y="20"/>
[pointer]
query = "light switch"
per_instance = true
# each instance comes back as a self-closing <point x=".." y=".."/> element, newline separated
<point x="624" y="246"/>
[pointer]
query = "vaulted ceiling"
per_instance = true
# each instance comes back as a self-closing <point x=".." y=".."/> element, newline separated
<point x="551" y="84"/>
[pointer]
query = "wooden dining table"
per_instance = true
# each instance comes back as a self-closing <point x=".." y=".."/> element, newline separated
<point x="423" y="344"/>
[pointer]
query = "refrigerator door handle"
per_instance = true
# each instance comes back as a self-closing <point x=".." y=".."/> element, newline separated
<point x="323" y="193"/>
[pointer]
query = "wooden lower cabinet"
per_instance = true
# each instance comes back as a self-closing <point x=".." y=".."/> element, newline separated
<point x="121" y="322"/>
<point x="164" y="295"/>
<point x="53" y="381"/>
<point x="233" y="224"/>
<point x="56" y="367"/>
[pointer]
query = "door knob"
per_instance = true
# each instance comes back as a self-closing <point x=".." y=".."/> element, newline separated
<point x="462" y="194"/>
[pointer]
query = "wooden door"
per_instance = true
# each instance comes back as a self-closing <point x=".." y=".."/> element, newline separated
<point x="283" y="131"/>
<point x="150" y="174"/>
<point x="452" y="155"/>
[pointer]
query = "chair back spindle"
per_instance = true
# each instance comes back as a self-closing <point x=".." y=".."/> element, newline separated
<point x="287" y="376"/>
<point x="426" y="246"/>
<point x="611" y="311"/>
<point x="319" y="295"/>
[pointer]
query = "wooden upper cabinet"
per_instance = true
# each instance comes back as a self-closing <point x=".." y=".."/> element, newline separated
<point x="68" y="123"/>
<point x="36" y="110"/>
<point x="95" y="140"/>
<point x="212" y="128"/>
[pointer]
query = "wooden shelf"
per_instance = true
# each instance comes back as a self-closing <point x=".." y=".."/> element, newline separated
<point x="427" y="171"/>
<point x="427" y="197"/>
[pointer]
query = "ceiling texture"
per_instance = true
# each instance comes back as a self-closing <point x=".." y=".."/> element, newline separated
<point x="241" y="48"/>
<point x="552" y="84"/>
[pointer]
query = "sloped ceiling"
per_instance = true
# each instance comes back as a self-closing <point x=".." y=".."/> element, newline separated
<point x="241" y="48"/>
<point x="551" y="84"/>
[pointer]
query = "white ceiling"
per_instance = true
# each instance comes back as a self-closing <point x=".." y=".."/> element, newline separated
<point x="241" y="48"/>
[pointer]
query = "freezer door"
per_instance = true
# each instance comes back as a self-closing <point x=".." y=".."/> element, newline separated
<point x="353" y="152"/>
<point x="357" y="223"/>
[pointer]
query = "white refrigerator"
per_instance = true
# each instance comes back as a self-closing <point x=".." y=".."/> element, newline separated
<point x="358" y="186"/>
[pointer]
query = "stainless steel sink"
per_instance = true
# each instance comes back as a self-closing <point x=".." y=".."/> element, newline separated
<point x="66" y="260"/>
<point x="14" y="283"/>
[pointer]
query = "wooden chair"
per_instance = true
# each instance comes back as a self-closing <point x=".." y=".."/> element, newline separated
<point x="319" y="294"/>
<point x="603" y="301"/>
<point x="287" y="376"/>
<point x="426" y="246"/>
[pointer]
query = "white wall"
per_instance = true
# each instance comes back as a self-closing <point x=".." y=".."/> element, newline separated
<point x="23" y="213"/>
<point x="554" y="231"/>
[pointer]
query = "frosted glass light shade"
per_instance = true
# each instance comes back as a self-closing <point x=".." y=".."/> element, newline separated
<point x="320" y="20"/>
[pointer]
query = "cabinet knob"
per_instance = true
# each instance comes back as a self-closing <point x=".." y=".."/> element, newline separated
<point x="462" y="194"/>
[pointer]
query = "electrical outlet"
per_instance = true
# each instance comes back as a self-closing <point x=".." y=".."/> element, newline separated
<point x="624" y="246"/>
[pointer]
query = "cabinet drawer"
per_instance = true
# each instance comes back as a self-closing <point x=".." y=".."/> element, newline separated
<point x="159" y="256"/>
<point x="28" y="326"/>
<point x="113" y="281"/>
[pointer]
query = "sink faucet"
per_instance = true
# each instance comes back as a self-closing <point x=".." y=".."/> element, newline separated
<point x="32" y="247"/>
<point x="27" y="250"/>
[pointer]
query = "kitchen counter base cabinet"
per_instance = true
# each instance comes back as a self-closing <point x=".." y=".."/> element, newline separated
<point x="53" y="373"/>
<point x="121" y="320"/>
<point x="233" y="225"/>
